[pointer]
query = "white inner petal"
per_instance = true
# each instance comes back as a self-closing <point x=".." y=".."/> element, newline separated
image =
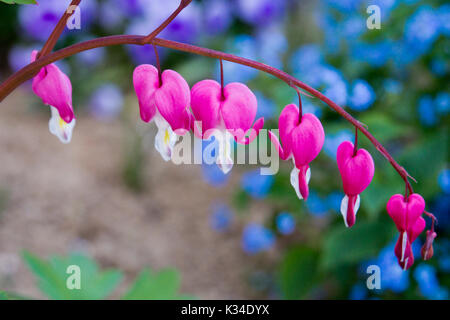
<point x="294" y="180"/>
<point x="224" y="159"/>
<point x="165" y="138"/>
<point x="344" y="207"/>
<point x="58" y="127"/>
<point x="404" y="240"/>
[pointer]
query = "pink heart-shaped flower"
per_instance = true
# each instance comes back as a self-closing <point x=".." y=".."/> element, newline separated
<point x="405" y="213"/>
<point x="54" y="88"/>
<point x="356" y="171"/>
<point x="171" y="98"/>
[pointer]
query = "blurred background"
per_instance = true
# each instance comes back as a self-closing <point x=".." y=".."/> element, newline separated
<point x="144" y="228"/>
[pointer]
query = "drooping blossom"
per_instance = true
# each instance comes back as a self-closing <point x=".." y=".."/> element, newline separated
<point x="301" y="141"/>
<point x="225" y="114"/>
<point x="55" y="90"/>
<point x="357" y="170"/>
<point x="165" y="100"/>
<point x="406" y="214"/>
<point x="427" y="250"/>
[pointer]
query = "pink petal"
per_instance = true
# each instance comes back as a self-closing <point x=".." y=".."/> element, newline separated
<point x="205" y="104"/>
<point x="239" y="107"/>
<point x="55" y="89"/>
<point x="286" y="123"/>
<point x="278" y="146"/>
<point x="173" y="99"/>
<point x="307" y="140"/>
<point x="239" y="135"/>
<point x="416" y="229"/>
<point x="146" y="81"/>
<point x="416" y="206"/>
<point x="405" y="256"/>
<point x="356" y="171"/>
<point x="303" y="182"/>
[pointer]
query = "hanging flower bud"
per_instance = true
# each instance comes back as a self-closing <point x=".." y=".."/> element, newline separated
<point x="407" y="218"/>
<point x="55" y="90"/>
<point x="166" y="100"/>
<point x="427" y="249"/>
<point x="357" y="170"/>
<point x="301" y="141"/>
<point x="226" y="115"/>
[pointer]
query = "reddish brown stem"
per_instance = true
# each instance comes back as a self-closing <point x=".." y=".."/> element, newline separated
<point x="158" y="65"/>
<point x="30" y="70"/>
<point x="300" y="107"/>
<point x="355" y="149"/>
<point x="56" y="33"/>
<point x="222" y="88"/>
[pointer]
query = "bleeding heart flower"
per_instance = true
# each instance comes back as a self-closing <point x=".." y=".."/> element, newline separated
<point x="166" y="101"/>
<point x="427" y="249"/>
<point x="407" y="217"/>
<point x="55" y="90"/>
<point x="225" y="117"/>
<point x="357" y="171"/>
<point x="301" y="141"/>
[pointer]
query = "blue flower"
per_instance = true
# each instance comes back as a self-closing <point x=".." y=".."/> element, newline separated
<point x="358" y="292"/>
<point x="256" y="238"/>
<point x="285" y="223"/>
<point x="306" y="58"/>
<point x="334" y="200"/>
<point x="375" y="54"/>
<point x="444" y="18"/>
<point x="309" y="107"/>
<point x="255" y="184"/>
<point x="332" y="141"/>
<point x="106" y="102"/>
<point x="316" y="205"/>
<point x="272" y="45"/>
<point x="442" y="102"/>
<point x="92" y="57"/>
<point x="444" y="180"/>
<point x="427" y="114"/>
<point x="441" y="208"/>
<point x="212" y="174"/>
<point x="422" y="29"/>
<point x="266" y="107"/>
<point x="244" y="46"/>
<point x="343" y="5"/>
<point x="19" y="56"/>
<point x="439" y="66"/>
<point x="392" y="86"/>
<point x="392" y="275"/>
<point x="362" y="96"/>
<point x="221" y="217"/>
<point x="426" y="278"/>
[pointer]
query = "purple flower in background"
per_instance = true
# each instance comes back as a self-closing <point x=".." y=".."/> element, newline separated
<point x="212" y="174"/>
<point x="130" y="8"/>
<point x="217" y="16"/>
<point x="19" y="56"/>
<point x="352" y="27"/>
<point x="244" y="46"/>
<point x="106" y="102"/>
<point x="260" y="12"/>
<point x="256" y="238"/>
<point x="92" y="57"/>
<point x="285" y="223"/>
<point x="427" y="114"/>
<point x="332" y="141"/>
<point x="221" y="217"/>
<point x="256" y="184"/>
<point x="39" y="21"/>
<point x="111" y="13"/>
<point x="426" y="277"/>
<point x="362" y="96"/>
<point x="272" y="44"/>
<point x="344" y="5"/>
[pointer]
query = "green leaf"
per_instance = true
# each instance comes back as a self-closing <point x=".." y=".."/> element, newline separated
<point x="52" y="275"/>
<point x="298" y="272"/>
<point x="163" y="285"/>
<point x="19" y="1"/>
<point x="345" y="246"/>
